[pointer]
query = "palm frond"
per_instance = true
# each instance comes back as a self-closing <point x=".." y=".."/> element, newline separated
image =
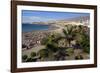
<point x="65" y="32"/>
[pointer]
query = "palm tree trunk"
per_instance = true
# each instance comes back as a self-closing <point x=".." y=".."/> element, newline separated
<point x="69" y="43"/>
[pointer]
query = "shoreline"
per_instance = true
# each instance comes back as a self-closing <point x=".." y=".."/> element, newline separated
<point x="51" y="28"/>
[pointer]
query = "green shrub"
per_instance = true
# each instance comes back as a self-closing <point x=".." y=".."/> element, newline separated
<point x="52" y="47"/>
<point x="33" y="54"/>
<point x="24" y="57"/>
<point x="43" y="53"/>
<point x="84" y="42"/>
<point x="70" y="51"/>
<point x="29" y="60"/>
<point x="79" y="57"/>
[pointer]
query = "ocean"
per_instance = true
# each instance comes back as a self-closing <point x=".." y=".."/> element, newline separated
<point x="31" y="27"/>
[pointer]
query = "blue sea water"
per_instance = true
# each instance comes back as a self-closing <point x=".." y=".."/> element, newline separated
<point x="31" y="27"/>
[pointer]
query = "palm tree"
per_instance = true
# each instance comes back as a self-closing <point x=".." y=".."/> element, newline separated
<point x="69" y="34"/>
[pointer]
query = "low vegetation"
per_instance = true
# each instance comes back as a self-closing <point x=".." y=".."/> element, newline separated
<point x="70" y="45"/>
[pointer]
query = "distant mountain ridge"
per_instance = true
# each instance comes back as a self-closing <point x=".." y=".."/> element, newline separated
<point x="75" y="19"/>
<point x="83" y="18"/>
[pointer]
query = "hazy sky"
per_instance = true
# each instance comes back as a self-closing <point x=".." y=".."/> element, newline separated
<point x="29" y="16"/>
